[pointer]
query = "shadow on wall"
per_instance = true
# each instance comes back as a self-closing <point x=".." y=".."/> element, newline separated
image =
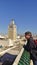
<point x="7" y="59"/>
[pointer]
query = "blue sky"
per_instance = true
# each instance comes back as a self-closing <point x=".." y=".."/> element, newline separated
<point x="23" y="11"/>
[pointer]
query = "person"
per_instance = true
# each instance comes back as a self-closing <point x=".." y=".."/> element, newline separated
<point x="31" y="47"/>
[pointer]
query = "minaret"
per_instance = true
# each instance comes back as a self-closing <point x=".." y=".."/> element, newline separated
<point x="12" y="32"/>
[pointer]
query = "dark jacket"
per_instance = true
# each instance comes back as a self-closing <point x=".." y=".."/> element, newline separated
<point x="31" y="48"/>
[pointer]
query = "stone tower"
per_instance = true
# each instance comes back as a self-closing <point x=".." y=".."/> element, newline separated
<point x="12" y="32"/>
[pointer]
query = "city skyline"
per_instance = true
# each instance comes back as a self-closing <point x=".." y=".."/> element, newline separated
<point x="24" y="12"/>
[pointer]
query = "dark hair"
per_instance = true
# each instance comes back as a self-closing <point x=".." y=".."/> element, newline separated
<point x="26" y="33"/>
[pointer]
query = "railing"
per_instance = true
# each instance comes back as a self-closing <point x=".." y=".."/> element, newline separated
<point x="23" y="58"/>
<point x="18" y="57"/>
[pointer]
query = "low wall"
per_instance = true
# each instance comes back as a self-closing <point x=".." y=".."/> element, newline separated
<point x="18" y="57"/>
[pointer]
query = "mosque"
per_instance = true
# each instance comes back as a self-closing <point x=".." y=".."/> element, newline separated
<point x="12" y="31"/>
<point x="11" y="35"/>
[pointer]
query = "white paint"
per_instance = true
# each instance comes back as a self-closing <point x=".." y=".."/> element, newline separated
<point x="10" y="42"/>
<point x="2" y="36"/>
<point x="18" y="57"/>
<point x="3" y="52"/>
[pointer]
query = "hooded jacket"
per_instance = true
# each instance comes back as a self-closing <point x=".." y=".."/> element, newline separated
<point x="31" y="48"/>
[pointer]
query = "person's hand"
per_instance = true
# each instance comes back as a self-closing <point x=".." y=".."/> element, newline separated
<point x="31" y="62"/>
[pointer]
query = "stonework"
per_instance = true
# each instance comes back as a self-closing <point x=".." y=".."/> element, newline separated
<point x="12" y="31"/>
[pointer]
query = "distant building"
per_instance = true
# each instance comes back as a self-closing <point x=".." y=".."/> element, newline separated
<point x="12" y="32"/>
